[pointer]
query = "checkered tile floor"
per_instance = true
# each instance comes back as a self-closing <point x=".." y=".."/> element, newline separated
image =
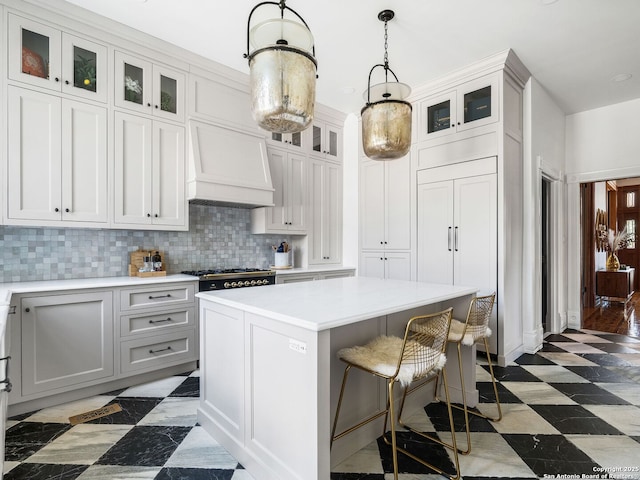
<point x="571" y="409"/>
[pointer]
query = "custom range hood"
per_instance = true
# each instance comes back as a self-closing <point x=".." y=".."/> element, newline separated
<point x="227" y="167"/>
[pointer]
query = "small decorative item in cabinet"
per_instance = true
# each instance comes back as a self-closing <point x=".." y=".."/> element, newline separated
<point x="145" y="263"/>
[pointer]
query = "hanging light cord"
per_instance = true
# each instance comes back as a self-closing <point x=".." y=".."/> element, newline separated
<point x="386" y="54"/>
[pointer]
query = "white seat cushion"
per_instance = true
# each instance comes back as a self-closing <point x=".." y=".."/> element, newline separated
<point x="472" y="334"/>
<point x="381" y="356"/>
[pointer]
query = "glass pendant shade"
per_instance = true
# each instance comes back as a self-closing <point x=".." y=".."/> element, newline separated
<point x="282" y="75"/>
<point x="386" y="129"/>
<point x="386" y="117"/>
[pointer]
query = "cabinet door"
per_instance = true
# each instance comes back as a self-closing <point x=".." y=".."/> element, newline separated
<point x="292" y="141"/>
<point x="169" y="201"/>
<point x="84" y="68"/>
<point x="133" y="167"/>
<point x="67" y="340"/>
<point x="398" y="204"/>
<point x="478" y="103"/>
<point x="325" y="191"/>
<point x="133" y="83"/>
<point x="475" y="232"/>
<point x="34" y="53"/>
<point x="277" y="215"/>
<point x="34" y="163"/>
<point x="168" y="93"/>
<point x="84" y="162"/>
<point x="372" y="264"/>
<point x="397" y="265"/>
<point x="296" y="193"/>
<point x="438" y="116"/>
<point x="435" y="232"/>
<point x="372" y="201"/>
<point x="326" y="141"/>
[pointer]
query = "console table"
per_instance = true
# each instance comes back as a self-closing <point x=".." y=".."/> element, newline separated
<point x="615" y="284"/>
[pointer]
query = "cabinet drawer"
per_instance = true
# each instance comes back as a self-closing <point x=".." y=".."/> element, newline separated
<point x="137" y="298"/>
<point x="156" y="351"/>
<point x="157" y="322"/>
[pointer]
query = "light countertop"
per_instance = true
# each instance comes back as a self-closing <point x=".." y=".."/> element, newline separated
<point x="7" y="289"/>
<point x="314" y="269"/>
<point x="325" y="304"/>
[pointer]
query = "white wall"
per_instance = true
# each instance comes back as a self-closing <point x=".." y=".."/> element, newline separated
<point x="602" y="144"/>
<point x="543" y="156"/>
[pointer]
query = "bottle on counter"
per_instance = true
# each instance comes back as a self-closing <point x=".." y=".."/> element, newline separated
<point x="147" y="265"/>
<point x="157" y="262"/>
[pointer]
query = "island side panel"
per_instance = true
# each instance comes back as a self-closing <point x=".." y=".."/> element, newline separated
<point x="287" y="386"/>
<point x="221" y="410"/>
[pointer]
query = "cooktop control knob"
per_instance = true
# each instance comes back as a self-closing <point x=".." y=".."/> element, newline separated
<point x="227" y="285"/>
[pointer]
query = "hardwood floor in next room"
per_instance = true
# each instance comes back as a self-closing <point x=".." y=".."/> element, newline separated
<point x="614" y="317"/>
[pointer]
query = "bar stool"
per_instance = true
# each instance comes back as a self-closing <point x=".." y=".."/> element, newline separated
<point x="419" y="356"/>
<point x="472" y="330"/>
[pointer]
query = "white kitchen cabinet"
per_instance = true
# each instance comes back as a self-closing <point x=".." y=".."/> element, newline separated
<point x="309" y="276"/>
<point x="326" y="141"/>
<point x="289" y="213"/>
<point x="325" y="203"/>
<point x="467" y="106"/>
<point x="149" y="88"/>
<point x="296" y="142"/>
<point x="44" y="56"/>
<point x="385" y="204"/>
<point x="457" y="227"/>
<point x="149" y="174"/>
<point x="57" y="164"/>
<point x="385" y="264"/>
<point x="67" y="341"/>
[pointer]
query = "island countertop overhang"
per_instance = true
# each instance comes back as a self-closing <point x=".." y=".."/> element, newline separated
<point x="326" y="304"/>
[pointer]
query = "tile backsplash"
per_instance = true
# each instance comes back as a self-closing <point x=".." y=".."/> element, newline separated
<point x="217" y="237"/>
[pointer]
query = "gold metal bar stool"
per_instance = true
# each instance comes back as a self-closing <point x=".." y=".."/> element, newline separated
<point x="419" y="356"/>
<point x="472" y="330"/>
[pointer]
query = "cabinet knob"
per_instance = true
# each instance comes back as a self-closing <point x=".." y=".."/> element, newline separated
<point x="148" y="104"/>
<point x="156" y="215"/>
<point x="66" y="82"/>
<point x="67" y="210"/>
<point x="56" y="209"/>
<point x="56" y="79"/>
<point x="27" y="309"/>
<point x="156" y="106"/>
<point x="148" y="215"/>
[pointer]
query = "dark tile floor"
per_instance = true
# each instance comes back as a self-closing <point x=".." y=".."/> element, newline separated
<point x="571" y="409"/>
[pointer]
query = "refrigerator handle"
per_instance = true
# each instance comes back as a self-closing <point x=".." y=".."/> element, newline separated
<point x="449" y="239"/>
<point x="455" y="240"/>
<point x="5" y="380"/>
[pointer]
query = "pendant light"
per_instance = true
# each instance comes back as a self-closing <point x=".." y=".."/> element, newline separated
<point x="386" y="117"/>
<point x="282" y="71"/>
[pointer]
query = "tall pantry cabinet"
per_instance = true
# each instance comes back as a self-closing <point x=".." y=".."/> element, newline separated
<point x="469" y="158"/>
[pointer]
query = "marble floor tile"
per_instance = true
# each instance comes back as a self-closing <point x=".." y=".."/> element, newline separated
<point x="605" y="360"/>
<point x="38" y="470"/>
<point x="610" y="451"/>
<point x="630" y="358"/>
<point x="532" y="359"/>
<point x="201" y="450"/>
<point x="579" y="418"/>
<point x="521" y="418"/>
<point x="241" y="475"/>
<point x="554" y="374"/>
<point x="145" y="446"/>
<point x="173" y="411"/>
<point x="422" y="448"/>
<point x="626" y="418"/>
<point x="158" y="388"/>
<point x="600" y="374"/>
<point x="514" y="373"/>
<point x="588" y="393"/>
<point x="586" y="338"/>
<point x="578" y="347"/>
<point x="626" y="391"/>
<point x="487" y="451"/>
<point x="173" y="473"/>
<point x="482" y="375"/>
<point x="613" y="348"/>
<point x="550" y="456"/>
<point x="365" y="460"/>
<point x="81" y="445"/>
<point x="61" y="413"/>
<point x="133" y="410"/>
<point x="116" y="472"/>
<point x="567" y="359"/>
<point x="189" y="388"/>
<point x="537" y="393"/>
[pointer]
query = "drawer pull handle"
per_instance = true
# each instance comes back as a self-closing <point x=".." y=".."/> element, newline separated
<point x="151" y="297"/>
<point x="160" y="350"/>
<point x="168" y="319"/>
<point x="6" y="381"/>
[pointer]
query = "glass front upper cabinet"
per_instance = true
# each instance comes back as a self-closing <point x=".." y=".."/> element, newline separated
<point x="46" y="57"/>
<point x="149" y="88"/>
<point x="325" y="141"/>
<point x="291" y="139"/>
<point x="468" y="106"/>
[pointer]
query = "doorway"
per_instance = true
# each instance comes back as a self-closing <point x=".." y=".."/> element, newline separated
<point x="545" y="243"/>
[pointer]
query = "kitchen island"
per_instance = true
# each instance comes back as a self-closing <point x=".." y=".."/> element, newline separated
<point x="270" y="377"/>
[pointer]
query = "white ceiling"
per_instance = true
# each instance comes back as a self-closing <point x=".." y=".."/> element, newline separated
<point x="574" y="48"/>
